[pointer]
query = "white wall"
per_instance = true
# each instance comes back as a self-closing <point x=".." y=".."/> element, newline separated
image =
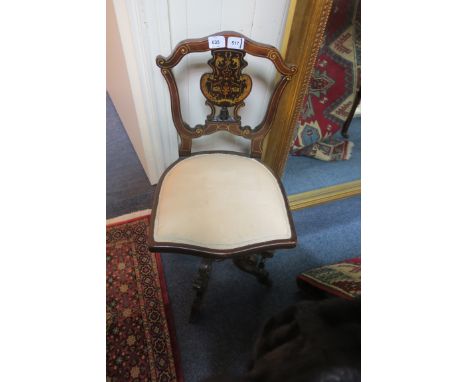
<point x="118" y="83"/>
<point x="156" y="27"/>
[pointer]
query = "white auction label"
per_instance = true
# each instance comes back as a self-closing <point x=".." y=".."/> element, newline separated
<point x="215" y="42"/>
<point x="235" y="43"/>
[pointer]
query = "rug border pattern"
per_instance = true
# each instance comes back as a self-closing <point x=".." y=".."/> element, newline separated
<point x="157" y="266"/>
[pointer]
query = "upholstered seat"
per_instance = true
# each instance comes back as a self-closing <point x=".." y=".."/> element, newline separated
<point x="220" y="202"/>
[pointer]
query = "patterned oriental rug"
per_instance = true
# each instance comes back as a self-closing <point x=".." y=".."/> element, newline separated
<point x="140" y="337"/>
<point x="341" y="279"/>
<point x="332" y="87"/>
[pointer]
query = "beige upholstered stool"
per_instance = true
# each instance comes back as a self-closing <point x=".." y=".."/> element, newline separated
<point x="222" y="205"/>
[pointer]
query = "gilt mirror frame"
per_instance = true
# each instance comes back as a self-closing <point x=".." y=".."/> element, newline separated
<point x="303" y="36"/>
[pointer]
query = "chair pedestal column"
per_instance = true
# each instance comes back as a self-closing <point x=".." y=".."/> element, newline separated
<point x="255" y="265"/>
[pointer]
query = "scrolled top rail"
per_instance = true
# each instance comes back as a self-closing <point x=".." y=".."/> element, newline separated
<point x="250" y="46"/>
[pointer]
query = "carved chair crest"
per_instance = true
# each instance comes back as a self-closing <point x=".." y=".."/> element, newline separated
<point x="225" y="88"/>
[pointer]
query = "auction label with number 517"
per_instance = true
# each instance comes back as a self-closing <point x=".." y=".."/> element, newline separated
<point x="235" y="43"/>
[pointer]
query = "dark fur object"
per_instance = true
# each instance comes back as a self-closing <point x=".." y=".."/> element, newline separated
<point x="313" y="341"/>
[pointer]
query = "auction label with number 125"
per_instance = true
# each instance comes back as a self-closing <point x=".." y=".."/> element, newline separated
<point x="215" y="42"/>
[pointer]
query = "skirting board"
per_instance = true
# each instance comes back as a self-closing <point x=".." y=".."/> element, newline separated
<point x="324" y="195"/>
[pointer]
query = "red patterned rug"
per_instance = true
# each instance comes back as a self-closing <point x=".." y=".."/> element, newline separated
<point x="341" y="279"/>
<point x="332" y="88"/>
<point x="141" y="342"/>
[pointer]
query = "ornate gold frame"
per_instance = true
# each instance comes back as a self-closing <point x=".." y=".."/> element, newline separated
<point x="324" y="195"/>
<point x="303" y="35"/>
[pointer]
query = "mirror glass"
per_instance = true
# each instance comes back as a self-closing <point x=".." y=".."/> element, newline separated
<point x="326" y="147"/>
<point x="305" y="173"/>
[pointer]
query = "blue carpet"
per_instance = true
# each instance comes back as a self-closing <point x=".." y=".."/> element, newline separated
<point x="304" y="174"/>
<point x="128" y="188"/>
<point x="235" y="305"/>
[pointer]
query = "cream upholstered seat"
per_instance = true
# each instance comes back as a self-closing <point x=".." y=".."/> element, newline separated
<point x="220" y="201"/>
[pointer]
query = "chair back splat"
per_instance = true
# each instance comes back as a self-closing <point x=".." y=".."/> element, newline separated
<point x="225" y="89"/>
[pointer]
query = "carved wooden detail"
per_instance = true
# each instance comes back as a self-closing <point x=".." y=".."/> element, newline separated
<point x="199" y="285"/>
<point x="255" y="265"/>
<point x="226" y="85"/>
<point x="225" y="88"/>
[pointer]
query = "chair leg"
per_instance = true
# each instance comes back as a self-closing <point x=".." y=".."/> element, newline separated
<point x="344" y="129"/>
<point x="200" y="284"/>
<point x="255" y="265"/>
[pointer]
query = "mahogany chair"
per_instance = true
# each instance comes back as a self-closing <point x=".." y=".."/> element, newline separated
<point x="222" y="205"/>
